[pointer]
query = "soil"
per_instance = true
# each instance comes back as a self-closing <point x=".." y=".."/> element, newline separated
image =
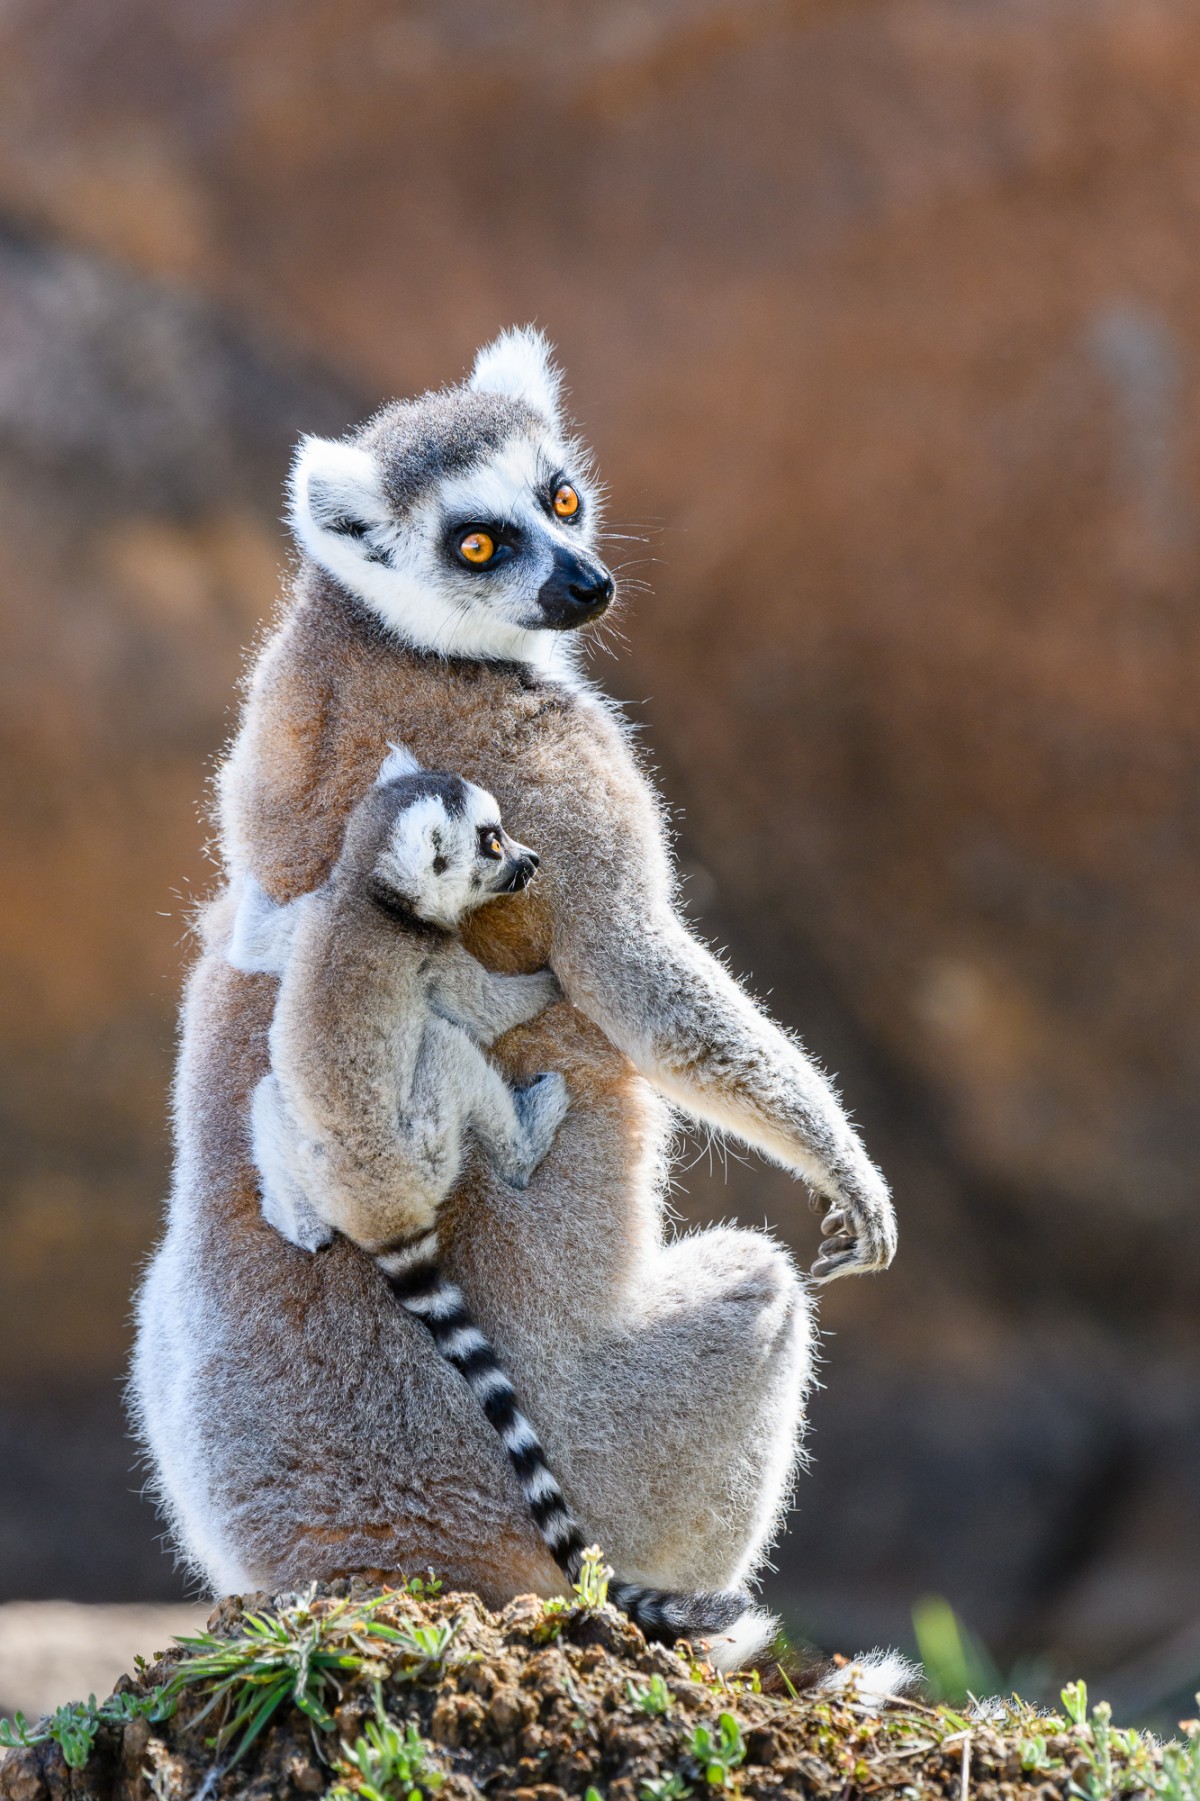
<point x="535" y="1703"/>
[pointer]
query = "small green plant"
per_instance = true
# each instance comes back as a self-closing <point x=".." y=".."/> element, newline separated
<point x="1110" y="1762"/>
<point x="423" y="1588"/>
<point x="592" y="1794"/>
<point x="957" y="1666"/>
<point x="671" y="1787"/>
<point x="1034" y="1755"/>
<point x="1179" y="1778"/>
<point x="718" y="1753"/>
<point x="591" y="1585"/>
<point x="1075" y="1703"/>
<point x="73" y="1727"/>
<point x="387" y="1762"/>
<point x="654" y="1699"/>
<point x="423" y="1648"/>
<point x="555" y="1614"/>
<point x="294" y="1656"/>
<point x="591" y="1592"/>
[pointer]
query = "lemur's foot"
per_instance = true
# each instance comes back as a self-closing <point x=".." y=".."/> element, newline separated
<point x="859" y="1231"/>
<point x="295" y="1219"/>
<point x="541" y="1108"/>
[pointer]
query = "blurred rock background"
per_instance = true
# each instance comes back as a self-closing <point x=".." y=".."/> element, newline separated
<point x="881" y="315"/>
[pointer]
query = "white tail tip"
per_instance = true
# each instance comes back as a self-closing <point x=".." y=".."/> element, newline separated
<point x="875" y="1676"/>
<point x="745" y="1640"/>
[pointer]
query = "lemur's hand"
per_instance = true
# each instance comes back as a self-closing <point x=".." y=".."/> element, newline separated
<point x="532" y="994"/>
<point x="860" y="1227"/>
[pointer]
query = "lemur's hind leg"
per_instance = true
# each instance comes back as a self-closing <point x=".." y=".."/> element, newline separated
<point x="516" y="1127"/>
<point x="694" y="1413"/>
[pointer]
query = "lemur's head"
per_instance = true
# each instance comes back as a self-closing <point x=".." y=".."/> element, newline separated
<point x="466" y="518"/>
<point x="431" y="845"/>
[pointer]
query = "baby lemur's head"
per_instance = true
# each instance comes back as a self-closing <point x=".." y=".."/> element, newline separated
<point x="431" y="845"/>
<point x="464" y="519"/>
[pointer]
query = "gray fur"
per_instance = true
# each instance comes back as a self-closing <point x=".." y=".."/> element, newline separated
<point x="300" y="1422"/>
<point x="419" y="443"/>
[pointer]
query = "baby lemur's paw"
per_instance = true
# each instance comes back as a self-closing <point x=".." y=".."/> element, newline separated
<point x="859" y="1229"/>
<point x="541" y="1109"/>
<point x="531" y="994"/>
<point x="295" y="1219"/>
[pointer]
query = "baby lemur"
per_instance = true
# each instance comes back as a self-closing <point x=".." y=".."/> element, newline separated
<point x="376" y="1068"/>
<point x="377" y="1074"/>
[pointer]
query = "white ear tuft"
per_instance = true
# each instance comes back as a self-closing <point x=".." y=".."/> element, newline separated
<point x="399" y="761"/>
<point x="519" y="363"/>
<point x="334" y="490"/>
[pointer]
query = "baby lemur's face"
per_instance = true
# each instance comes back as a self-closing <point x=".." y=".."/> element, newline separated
<point x="444" y="851"/>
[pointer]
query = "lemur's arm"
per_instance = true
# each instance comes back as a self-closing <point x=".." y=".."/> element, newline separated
<point x="487" y="1005"/>
<point x="628" y="961"/>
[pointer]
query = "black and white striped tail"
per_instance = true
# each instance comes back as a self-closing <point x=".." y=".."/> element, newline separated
<point x="418" y="1284"/>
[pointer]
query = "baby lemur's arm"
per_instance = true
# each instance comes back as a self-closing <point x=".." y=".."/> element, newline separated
<point x="628" y="961"/>
<point x="487" y="1005"/>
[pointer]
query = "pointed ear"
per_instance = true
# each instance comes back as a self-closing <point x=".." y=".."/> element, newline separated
<point x="335" y="493"/>
<point x="399" y="761"/>
<point x="520" y="364"/>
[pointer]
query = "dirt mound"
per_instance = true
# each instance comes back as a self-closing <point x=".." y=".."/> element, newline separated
<point x="402" y="1694"/>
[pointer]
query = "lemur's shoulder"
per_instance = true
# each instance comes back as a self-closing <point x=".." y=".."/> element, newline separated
<point x="333" y="685"/>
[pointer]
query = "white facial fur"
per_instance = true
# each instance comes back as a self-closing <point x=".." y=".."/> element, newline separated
<point x="398" y="565"/>
<point x="435" y="860"/>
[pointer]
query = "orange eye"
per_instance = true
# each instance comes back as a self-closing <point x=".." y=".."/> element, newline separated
<point x="477" y="547"/>
<point x="566" y="501"/>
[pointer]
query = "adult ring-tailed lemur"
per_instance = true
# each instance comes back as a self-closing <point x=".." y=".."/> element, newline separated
<point x="300" y="1423"/>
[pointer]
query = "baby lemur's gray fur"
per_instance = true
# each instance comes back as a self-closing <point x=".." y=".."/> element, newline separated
<point x="376" y="1070"/>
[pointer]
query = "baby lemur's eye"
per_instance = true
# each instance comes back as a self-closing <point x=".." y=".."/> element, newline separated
<point x="566" y="501"/>
<point x="477" y="547"/>
<point x="489" y="843"/>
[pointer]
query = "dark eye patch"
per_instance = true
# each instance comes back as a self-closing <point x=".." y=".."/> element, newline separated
<point x="546" y="497"/>
<point x="440" y="864"/>
<point x="508" y="539"/>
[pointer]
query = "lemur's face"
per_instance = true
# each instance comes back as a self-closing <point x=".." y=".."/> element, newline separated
<point x="465" y="519"/>
<point x="446" y="851"/>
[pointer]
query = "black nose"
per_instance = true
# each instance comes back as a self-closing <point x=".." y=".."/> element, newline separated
<point x="577" y="589"/>
<point x="593" y="594"/>
<point x="522" y="872"/>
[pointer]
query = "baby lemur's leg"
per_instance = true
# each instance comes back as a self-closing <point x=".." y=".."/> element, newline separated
<point x="484" y="1004"/>
<point x="515" y="1126"/>
<point x="285" y="1204"/>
